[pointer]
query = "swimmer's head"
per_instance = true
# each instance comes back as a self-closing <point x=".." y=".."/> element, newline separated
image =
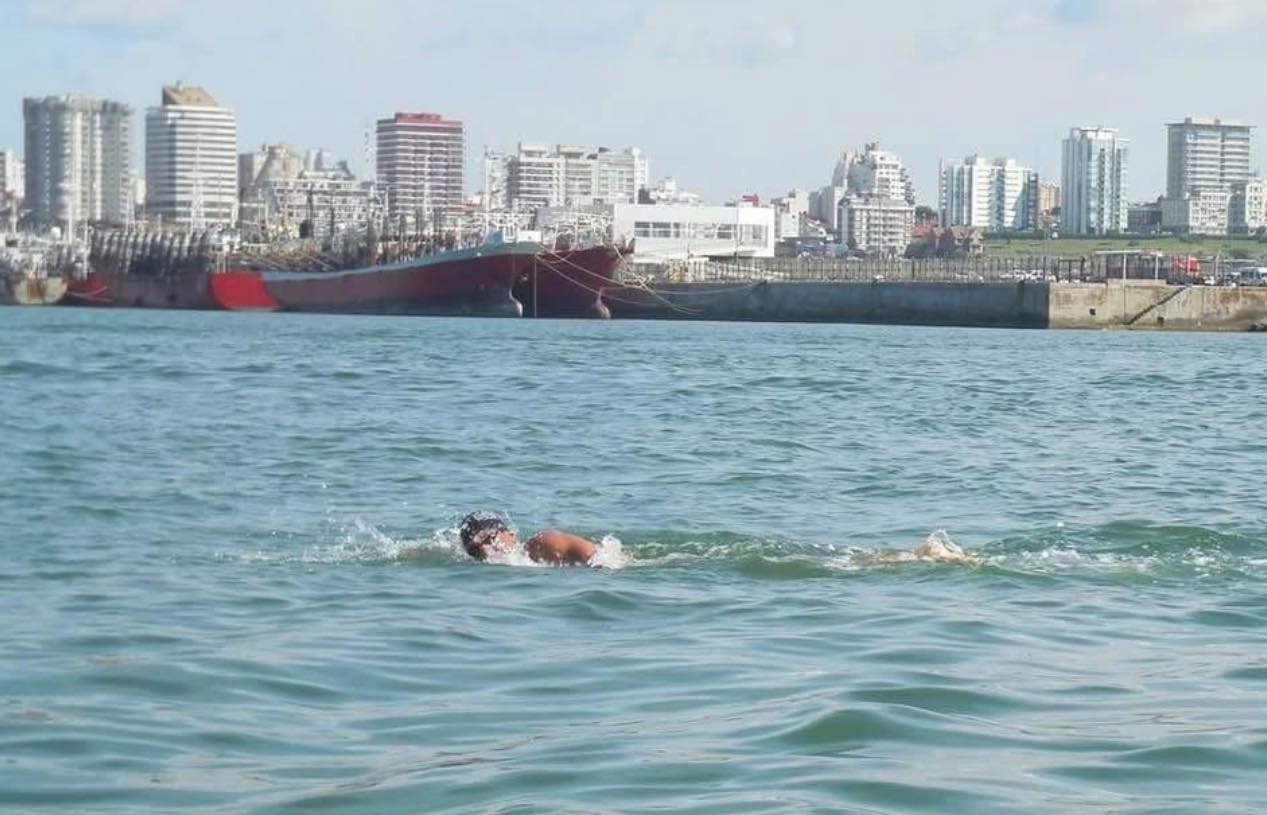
<point x="485" y="534"/>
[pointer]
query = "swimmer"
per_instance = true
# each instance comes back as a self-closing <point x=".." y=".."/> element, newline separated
<point x="487" y="535"/>
<point x="936" y="548"/>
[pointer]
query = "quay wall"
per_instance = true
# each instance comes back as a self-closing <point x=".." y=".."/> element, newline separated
<point x="1149" y="305"/>
<point x="1017" y="304"/>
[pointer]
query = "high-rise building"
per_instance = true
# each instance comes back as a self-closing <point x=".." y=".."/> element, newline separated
<point x="875" y="225"/>
<point x="876" y="210"/>
<point x="78" y="160"/>
<point x="420" y="158"/>
<point x="1093" y="182"/>
<point x="874" y="172"/>
<point x="1207" y="160"/>
<point x="1205" y="153"/>
<point x="1048" y="200"/>
<point x="539" y="176"/>
<point x="995" y="196"/>
<point x="191" y="159"/>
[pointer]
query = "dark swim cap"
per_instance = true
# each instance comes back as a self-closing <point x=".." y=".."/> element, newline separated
<point x="477" y="523"/>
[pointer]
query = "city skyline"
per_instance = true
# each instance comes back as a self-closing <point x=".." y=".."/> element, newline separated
<point x="726" y="102"/>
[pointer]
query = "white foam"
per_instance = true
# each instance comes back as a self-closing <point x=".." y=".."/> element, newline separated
<point x="611" y="554"/>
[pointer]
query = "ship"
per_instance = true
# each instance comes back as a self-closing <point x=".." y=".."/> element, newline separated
<point x="569" y="282"/>
<point x="482" y="275"/>
<point x="34" y="272"/>
<point x="205" y="270"/>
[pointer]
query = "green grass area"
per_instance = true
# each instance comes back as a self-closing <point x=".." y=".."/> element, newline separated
<point x="1079" y="247"/>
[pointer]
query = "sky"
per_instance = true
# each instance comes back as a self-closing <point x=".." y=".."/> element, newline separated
<point x="726" y="96"/>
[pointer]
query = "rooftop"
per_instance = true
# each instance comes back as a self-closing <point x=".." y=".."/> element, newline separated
<point x="187" y="95"/>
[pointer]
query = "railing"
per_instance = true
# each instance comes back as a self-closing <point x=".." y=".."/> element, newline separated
<point x="973" y="269"/>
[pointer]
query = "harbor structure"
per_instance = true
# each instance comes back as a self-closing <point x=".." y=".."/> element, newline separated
<point x="569" y="176"/>
<point x="78" y="154"/>
<point x="191" y="160"/>
<point x="286" y="194"/>
<point x="1207" y="163"/>
<point x="995" y="195"/>
<point x="1093" y="182"/>
<point x="681" y="231"/>
<point x="420" y="160"/>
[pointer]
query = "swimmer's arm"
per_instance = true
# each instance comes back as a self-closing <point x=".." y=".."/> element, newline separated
<point x="560" y="548"/>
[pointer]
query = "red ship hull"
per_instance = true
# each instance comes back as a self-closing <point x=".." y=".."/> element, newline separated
<point x="463" y="282"/>
<point x="569" y="283"/>
<point x="187" y="290"/>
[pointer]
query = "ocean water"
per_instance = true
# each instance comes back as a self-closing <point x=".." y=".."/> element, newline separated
<point x="229" y="580"/>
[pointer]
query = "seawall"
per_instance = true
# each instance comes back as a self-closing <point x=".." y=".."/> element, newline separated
<point x="1130" y="304"/>
<point x="1144" y="304"/>
<point x="1020" y="304"/>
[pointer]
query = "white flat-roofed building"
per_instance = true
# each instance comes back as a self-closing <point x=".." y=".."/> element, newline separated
<point x="1249" y="206"/>
<point x="790" y="212"/>
<point x="680" y="231"/>
<point x="1204" y="153"/>
<point x="421" y="158"/>
<point x="995" y="196"/>
<point x="1201" y="211"/>
<point x="191" y="160"/>
<point x="1093" y="182"/>
<point x="877" y="226"/>
<point x="78" y="160"/>
<point x="12" y="175"/>
<point x="541" y="176"/>
<point x="1207" y="161"/>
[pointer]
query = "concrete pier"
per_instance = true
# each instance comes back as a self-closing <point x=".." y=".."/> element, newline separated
<point x="1130" y="304"/>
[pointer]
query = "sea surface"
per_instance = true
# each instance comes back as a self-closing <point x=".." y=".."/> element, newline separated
<point x="230" y="582"/>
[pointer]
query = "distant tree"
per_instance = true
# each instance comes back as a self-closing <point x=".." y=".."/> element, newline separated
<point x="925" y="214"/>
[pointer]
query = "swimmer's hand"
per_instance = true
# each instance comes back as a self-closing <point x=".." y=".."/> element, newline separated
<point x="560" y="548"/>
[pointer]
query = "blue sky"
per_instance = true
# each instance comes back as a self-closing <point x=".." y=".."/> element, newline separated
<point x="728" y="96"/>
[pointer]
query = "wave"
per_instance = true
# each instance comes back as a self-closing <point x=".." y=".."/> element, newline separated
<point x="1118" y="550"/>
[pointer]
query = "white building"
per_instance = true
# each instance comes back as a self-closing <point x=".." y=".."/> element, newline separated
<point x="300" y="196"/>
<point x="790" y="213"/>
<point x="1207" y="160"/>
<point x="824" y="206"/>
<point x="995" y="196"/>
<point x="541" y="176"/>
<point x="12" y="175"/>
<point x="1093" y="182"/>
<point x="78" y="160"/>
<point x="680" y="231"/>
<point x="191" y="159"/>
<point x="667" y="191"/>
<point x="877" y="226"/>
<point x="1249" y="206"/>
<point x="1205" y="153"/>
<point x="877" y="173"/>
<point x="421" y="159"/>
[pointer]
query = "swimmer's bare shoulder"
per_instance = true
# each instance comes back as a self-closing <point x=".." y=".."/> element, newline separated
<point x="560" y="548"/>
